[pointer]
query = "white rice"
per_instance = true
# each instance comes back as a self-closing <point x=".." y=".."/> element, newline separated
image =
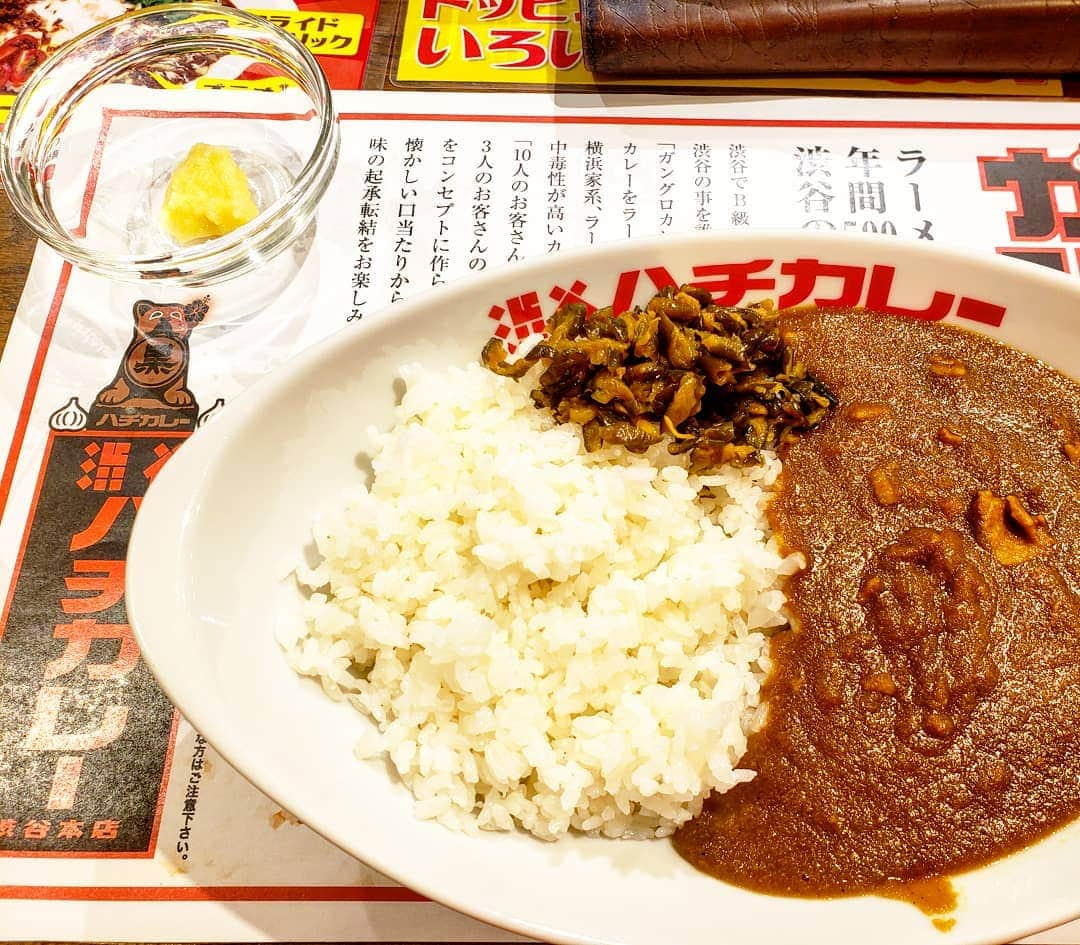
<point x="611" y="696"/>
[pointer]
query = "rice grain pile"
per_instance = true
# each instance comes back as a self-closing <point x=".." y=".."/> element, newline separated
<point x="545" y="637"/>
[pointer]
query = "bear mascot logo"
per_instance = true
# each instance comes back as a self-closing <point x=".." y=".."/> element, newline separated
<point x="150" y="387"/>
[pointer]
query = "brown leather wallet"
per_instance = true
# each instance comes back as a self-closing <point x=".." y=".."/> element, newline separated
<point x="721" y="37"/>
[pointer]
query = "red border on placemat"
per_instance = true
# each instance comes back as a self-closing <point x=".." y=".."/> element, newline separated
<point x="360" y="893"/>
<point x="213" y="893"/>
<point x="31" y="392"/>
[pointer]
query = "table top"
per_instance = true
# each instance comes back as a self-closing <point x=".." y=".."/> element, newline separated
<point x="16" y="250"/>
<point x="17" y="243"/>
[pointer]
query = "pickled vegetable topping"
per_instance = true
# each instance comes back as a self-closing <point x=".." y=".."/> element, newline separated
<point x="714" y="381"/>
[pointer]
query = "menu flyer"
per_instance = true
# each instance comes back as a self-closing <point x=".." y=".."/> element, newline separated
<point x="118" y="821"/>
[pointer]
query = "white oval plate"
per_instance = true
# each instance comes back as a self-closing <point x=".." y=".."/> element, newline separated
<point x="229" y="515"/>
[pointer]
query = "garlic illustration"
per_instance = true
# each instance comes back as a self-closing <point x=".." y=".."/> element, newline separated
<point x="69" y="417"/>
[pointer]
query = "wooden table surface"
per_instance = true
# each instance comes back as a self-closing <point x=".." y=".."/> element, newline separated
<point x="16" y="248"/>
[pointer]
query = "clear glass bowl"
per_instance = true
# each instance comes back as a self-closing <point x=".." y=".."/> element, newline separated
<point x="95" y="133"/>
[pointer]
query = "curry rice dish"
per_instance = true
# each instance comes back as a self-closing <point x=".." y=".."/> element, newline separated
<point x="920" y="701"/>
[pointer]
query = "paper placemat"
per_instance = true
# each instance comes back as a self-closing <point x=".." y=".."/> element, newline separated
<point x="117" y="821"/>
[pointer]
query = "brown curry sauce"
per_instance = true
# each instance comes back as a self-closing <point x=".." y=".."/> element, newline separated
<point x="924" y="712"/>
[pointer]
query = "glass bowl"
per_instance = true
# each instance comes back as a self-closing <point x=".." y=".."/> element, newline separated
<point x="94" y="135"/>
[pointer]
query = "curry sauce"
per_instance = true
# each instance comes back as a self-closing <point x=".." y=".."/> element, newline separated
<point x="924" y="709"/>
